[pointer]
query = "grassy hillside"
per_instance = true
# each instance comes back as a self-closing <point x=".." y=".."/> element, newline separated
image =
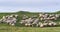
<point x="7" y="28"/>
<point x="21" y="13"/>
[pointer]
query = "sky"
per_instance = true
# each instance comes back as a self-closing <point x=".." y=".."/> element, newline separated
<point x="29" y="5"/>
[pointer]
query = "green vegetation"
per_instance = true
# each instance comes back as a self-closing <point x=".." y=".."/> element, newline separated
<point x="17" y="28"/>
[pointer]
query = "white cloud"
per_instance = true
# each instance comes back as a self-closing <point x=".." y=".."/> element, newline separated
<point x="30" y="5"/>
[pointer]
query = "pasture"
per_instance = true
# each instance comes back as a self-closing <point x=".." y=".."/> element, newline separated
<point x="7" y="28"/>
<point x="20" y="28"/>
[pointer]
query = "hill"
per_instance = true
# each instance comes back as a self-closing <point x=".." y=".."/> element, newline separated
<point x="17" y="28"/>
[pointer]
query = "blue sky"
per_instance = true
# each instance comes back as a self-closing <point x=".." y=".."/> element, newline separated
<point x="29" y="5"/>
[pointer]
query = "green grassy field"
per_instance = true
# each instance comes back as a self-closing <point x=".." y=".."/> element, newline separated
<point x="7" y="28"/>
<point x="17" y="28"/>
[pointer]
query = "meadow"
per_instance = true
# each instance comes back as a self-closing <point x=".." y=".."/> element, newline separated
<point x="20" y="28"/>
